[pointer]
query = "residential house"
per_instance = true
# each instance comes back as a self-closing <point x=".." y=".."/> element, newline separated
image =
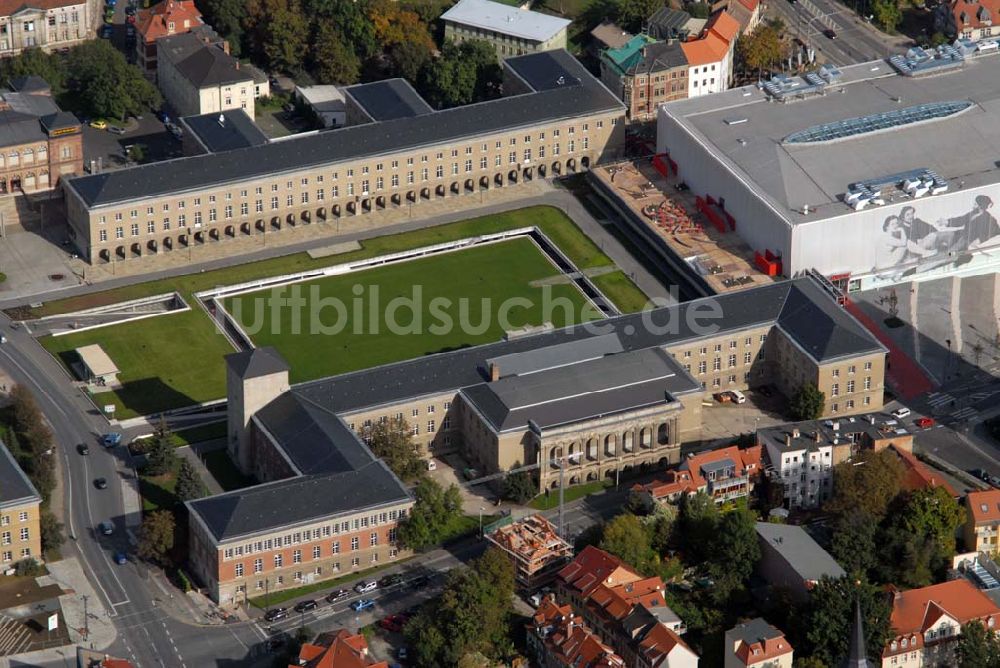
<point x="726" y="474"/>
<point x="790" y="558"/>
<point x="927" y="622"/>
<point x="747" y="12"/>
<point x="198" y="76"/>
<point x="968" y="19"/>
<point x="982" y="521"/>
<point x="559" y="639"/>
<point x="511" y="30"/>
<point x="917" y="475"/>
<point x="802" y="455"/>
<point x="49" y="25"/>
<point x="167" y="18"/>
<point x="667" y="23"/>
<point x="20" y="513"/>
<point x="608" y="35"/>
<point x="710" y="57"/>
<point x="40" y="143"/>
<point x="340" y="649"/>
<point x="326" y="102"/>
<point x="535" y="549"/>
<point x="626" y="610"/>
<point x="757" y="644"/>
<point x="645" y="74"/>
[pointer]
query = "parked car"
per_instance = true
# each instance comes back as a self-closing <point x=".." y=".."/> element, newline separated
<point x="306" y="606"/>
<point x="116" y="130"/>
<point x="106" y="32"/>
<point x="362" y="604"/>
<point x="275" y="614"/>
<point x="121" y="558"/>
<point x="924" y="422"/>
<point x="111" y="439"/>
<point x="338" y="595"/>
<point x="83" y="449"/>
<point x="100" y="483"/>
<point x="392" y="623"/>
<point x="981" y="474"/>
<point x="390" y="580"/>
<point x="901" y="413"/>
<point x="738" y="397"/>
<point x="106" y="528"/>
<point x="830" y="33"/>
<point x="402" y="653"/>
<point x="99" y="124"/>
<point x="366" y="586"/>
<point x="723" y="397"/>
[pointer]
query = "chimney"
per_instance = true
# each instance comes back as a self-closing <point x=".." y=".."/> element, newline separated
<point x="818" y="437"/>
<point x="795" y="432"/>
<point x="494" y="372"/>
<point x="788" y="439"/>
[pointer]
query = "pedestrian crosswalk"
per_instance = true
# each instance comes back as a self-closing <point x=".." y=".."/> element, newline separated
<point x="966" y="413"/>
<point x="936" y="399"/>
<point x="980" y="396"/>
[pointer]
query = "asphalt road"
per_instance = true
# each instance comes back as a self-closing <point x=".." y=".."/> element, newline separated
<point x="855" y="41"/>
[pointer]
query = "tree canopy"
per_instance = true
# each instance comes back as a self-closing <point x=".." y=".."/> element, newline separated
<point x="106" y="84"/>
<point x="464" y="73"/>
<point x="156" y="536"/>
<point x="761" y="50"/>
<point x="808" y="402"/>
<point x="160" y="455"/>
<point x="392" y="441"/>
<point x="189" y="484"/>
<point x="435" y="508"/>
<point x="830" y="617"/>
<point x="868" y="483"/>
<point x="978" y="647"/>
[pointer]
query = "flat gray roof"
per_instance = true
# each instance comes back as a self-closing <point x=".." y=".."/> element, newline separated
<point x="237" y="130"/>
<point x="581" y="95"/>
<point x="962" y="149"/>
<point x="799" y="550"/>
<point x="506" y="19"/>
<point x="389" y="99"/>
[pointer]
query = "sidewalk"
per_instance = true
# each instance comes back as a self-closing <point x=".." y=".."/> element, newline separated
<point x="80" y="598"/>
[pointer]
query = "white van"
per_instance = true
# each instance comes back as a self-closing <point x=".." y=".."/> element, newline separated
<point x="901" y="413"/>
<point x="738" y="397"/>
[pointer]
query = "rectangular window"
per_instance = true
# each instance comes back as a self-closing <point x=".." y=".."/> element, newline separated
<point x="373" y="538"/>
<point x="258" y="565"/>
<point x="354" y="544"/>
<point x="316" y="551"/>
<point x="297" y="556"/>
<point x="239" y="570"/>
<point x="24" y="533"/>
<point x="279" y="560"/>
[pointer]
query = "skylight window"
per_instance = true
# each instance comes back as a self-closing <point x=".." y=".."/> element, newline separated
<point x="852" y="127"/>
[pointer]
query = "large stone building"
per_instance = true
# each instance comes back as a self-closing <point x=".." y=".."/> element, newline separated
<point x="45" y="24"/>
<point x="198" y="76"/>
<point x="512" y="30"/>
<point x="166" y="18"/>
<point x="39" y="143"/>
<point x="20" y="514"/>
<point x="555" y="119"/>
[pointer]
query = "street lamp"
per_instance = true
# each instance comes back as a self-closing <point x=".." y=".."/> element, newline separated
<point x="481" y="509"/>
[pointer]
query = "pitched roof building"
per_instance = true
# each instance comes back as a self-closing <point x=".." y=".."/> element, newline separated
<point x="746" y="12"/>
<point x="927" y="622"/>
<point x="559" y="639"/>
<point x="757" y="643"/>
<point x="790" y="558"/>
<point x="50" y="25"/>
<point x="337" y="650"/>
<point x="164" y="19"/>
<point x="968" y="19"/>
<point x="725" y="474"/>
<point x="982" y="521"/>
<point x="534" y="547"/>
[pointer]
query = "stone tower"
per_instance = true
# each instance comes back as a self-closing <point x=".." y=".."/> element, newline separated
<point x="254" y="378"/>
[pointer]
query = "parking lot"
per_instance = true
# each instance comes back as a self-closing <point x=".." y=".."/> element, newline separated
<point x="723" y="421"/>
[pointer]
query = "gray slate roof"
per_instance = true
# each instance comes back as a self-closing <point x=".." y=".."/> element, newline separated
<point x="238" y="131"/>
<point x="389" y="100"/>
<point x="15" y="488"/>
<point x="586" y="96"/>
<point x="802" y="554"/>
<point x="19" y="128"/>
<point x="754" y="631"/>
<point x="203" y="65"/>
<point x="244" y="512"/>
<point x="257" y="362"/>
<point x="574" y="392"/>
<point x="660" y="56"/>
<point x="30" y="84"/>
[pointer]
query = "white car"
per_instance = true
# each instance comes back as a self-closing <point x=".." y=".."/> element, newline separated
<point x="431" y="465"/>
<point x="366" y="586"/>
<point x="901" y="413"/>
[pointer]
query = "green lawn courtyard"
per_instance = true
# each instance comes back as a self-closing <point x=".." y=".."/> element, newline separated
<point x="485" y="277"/>
<point x="176" y="360"/>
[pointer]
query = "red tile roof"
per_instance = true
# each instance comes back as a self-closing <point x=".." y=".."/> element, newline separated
<point x="974" y="15"/>
<point x="916" y="611"/>
<point x="917" y="475"/>
<point x="594" y="567"/>
<point x="337" y="650"/>
<point x="984" y="506"/>
<point x="155" y="22"/>
<point x="687" y="478"/>
<point x="567" y="639"/>
<point x="725" y="26"/>
<point x="767" y="649"/>
<point x="617" y="602"/>
<point x="660" y="642"/>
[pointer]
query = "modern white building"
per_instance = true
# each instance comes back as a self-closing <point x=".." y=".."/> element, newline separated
<point x="876" y="174"/>
<point x="710" y="57"/>
<point x="803" y="462"/>
<point x="512" y="30"/>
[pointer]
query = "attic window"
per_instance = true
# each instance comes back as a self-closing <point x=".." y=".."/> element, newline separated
<point x="984" y="507"/>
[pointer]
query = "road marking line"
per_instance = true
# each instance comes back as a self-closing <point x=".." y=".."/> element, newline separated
<point x="239" y="640"/>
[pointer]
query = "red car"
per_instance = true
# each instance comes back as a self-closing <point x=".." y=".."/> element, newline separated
<point x="392" y="623"/>
<point x="924" y="422"/>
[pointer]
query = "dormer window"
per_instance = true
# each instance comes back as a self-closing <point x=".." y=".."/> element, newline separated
<point x="170" y="26"/>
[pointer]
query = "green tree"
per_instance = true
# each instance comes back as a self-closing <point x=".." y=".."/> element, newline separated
<point x="760" y="51"/>
<point x="351" y="20"/>
<point x="462" y="74"/>
<point x="434" y="510"/>
<point x="909" y="560"/>
<point x="699" y="10"/>
<point x="633" y="13"/>
<point x="978" y="647"/>
<point x="227" y="17"/>
<point x="334" y="60"/>
<point x="106" y="84"/>
<point x="51" y="531"/>
<point x="189" y="484"/>
<point x="34" y="61"/>
<point x="697" y="522"/>
<point x="156" y="536"/>
<point x="830" y="616"/>
<point x="737" y="551"/>
<point x="868" y="483"/>
<point x="933" y="513"/>
<point x="160" y="455"/>
<point x="408" y="58"/>
<point x="278" y="31"/>
<point x="392" y="441"/>
<point x="887" y="14"/>
<point x="520" y="487"/>
<point x="854" y="542"/>
<point x="472" y="615"/>
<point x="808" y="402"/>
<point x="626" y="538"/>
